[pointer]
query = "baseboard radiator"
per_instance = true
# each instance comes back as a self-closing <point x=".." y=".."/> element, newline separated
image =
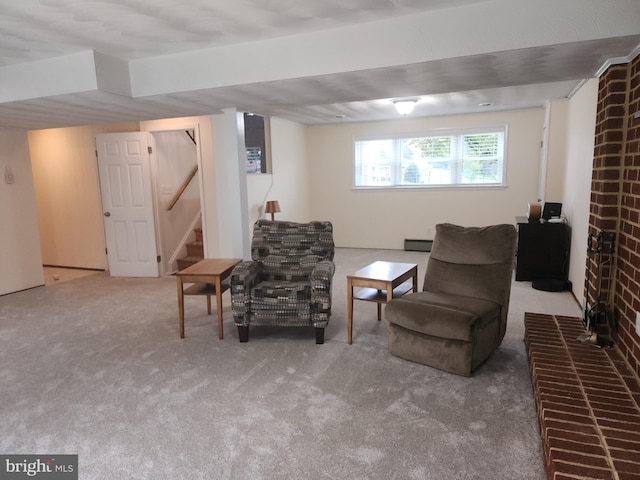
<point x="417" y="245"/>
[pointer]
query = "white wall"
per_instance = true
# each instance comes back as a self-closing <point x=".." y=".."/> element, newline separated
<point x="229" y="186"/>
<point x="20" y="259"/>
<point x="383" y="219"/>
<point x="289" y="181"/>
<point x="67" y="188"/>
<point x="291" y="173"/>
<point x="556" y="151"/>
<point x="581" y="125"/>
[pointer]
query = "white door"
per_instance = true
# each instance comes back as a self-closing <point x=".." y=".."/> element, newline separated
<point x="125" y="184"/>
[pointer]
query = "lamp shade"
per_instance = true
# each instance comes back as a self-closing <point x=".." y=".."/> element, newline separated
<point x="406" y="106"/>
<point x="272" y="207"/>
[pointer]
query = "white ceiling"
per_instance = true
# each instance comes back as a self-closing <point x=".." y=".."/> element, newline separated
<point x="524" y="66"/>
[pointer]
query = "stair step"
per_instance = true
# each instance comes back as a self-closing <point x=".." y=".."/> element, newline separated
<point x="195" y="249"/>
<point x="185" y="262"/>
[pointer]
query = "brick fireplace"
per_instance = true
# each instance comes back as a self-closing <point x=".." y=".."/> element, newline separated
<point x="588" y="398"/>
<point x="615" y="202"/>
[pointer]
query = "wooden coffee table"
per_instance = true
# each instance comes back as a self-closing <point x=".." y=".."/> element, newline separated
<point x="379" y="282"/>
<point x="207" y="277"/>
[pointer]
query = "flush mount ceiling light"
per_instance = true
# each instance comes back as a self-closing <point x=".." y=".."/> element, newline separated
<point x="405" y="106"/>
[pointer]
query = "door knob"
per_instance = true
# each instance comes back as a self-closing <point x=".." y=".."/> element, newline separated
<point x="107" y="214"/>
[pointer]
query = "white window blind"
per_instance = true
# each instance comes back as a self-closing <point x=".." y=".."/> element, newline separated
<point x="449" y="158"/>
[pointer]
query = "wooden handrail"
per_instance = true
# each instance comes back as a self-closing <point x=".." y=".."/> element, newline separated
<point x="183" y="187"/>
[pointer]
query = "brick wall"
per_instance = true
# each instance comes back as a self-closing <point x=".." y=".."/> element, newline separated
<point x="615" y="203"/>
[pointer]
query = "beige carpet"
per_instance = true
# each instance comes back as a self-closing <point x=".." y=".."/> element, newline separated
<point x="95" y="367"/>
<point x="64" y="274"/>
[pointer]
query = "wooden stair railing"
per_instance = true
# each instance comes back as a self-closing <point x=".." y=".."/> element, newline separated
<point x="182" y="188"/>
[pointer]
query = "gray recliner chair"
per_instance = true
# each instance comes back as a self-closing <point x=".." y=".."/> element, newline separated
<point x="460" y="317"/>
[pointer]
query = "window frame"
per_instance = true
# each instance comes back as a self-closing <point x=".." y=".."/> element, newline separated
<point x="434" y="133"/>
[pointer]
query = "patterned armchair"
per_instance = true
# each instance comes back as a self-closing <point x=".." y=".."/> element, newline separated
<point x="288" y="280"/>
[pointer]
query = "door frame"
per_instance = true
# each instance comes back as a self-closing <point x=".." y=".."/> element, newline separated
<point x="155" y="187"/>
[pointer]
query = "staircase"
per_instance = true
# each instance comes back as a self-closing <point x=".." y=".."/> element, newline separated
<point x="195" y="252"/>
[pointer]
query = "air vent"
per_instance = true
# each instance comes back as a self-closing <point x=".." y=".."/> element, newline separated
<point x="417" y="245"/>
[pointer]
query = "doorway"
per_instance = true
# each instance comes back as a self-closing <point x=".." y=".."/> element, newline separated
<point x="176" y="166"/>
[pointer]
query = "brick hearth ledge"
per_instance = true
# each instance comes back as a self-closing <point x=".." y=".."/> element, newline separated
<point x="588" y="403"/>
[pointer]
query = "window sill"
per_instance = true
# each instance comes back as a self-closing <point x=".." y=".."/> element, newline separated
<point x="429" y="187"/>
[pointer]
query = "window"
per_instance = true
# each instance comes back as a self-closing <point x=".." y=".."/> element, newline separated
<point x="257" y="143"/>
<point x="469" y="157"/>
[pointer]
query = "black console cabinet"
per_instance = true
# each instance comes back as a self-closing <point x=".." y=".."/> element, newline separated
<point x="543" y="250"/>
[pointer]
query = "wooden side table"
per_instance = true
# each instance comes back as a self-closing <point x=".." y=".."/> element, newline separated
<point x="379" y="282"/>
<point x="207" y="277"/>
